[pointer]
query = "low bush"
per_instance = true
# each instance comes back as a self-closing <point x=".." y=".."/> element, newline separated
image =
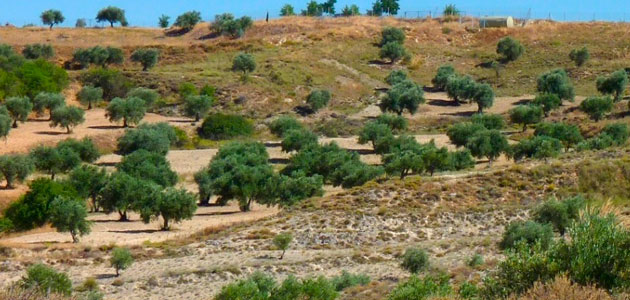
<point x="221" y="127"/>
<point x="415" y="260"/>
<point x="537" y="147"/>
<point x="156" y="138"/>
<point x="420" y="289"/>
<point x="283" y="124"/>
<point x="112" y="82"/>
<point x="528" y="231"/>
<point x="560" y="214"/>
<point x="46" y="280"/>
<point x="346" y="280"/>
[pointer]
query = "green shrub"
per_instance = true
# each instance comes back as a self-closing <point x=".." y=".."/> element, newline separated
<point x="147" y="57"/>
<point x="395" y="77"/>
<point x="188" y="20"/>
<point x="556" y="82"/>
<point x="559" y="214"/>
<point x="487" y="143"/>
<point x="35" y="51"/>
<point x="121" y="259"/>
<point x="226" y="24"/>
<point x="618" y="132"/>
<point x="297" y="187"/>
<point x="283" y="124"/>
<point x="149" y="96"/>
<point x="54" y="160"/>
<point x="69" y="215"/>
<point x="130" y="110"/>
<point x="297" y="139"/>
<point x="420" y="289"/>
<point x="392" y="34"/>
<point x="282" y="241"/>
<point x="580" y="56"/>
<point x="112" y="82"/>
<point x="548" y="102"/>
<point x="469" y="291"/>
<point x="46" y="280"/>
<point x="393" y="51"/>
<point x="459" y="88"/>
<point x="526" y="115"/>
<point x="346" y="280"/>
<point x="528" y="231"/>
<point x="155" y="138"/>
<point x="599" y="142"/>
<point x="510" y="49"/>
<point x="186" y="89"/>
<point x="42" y="76"/>
<point x="460" y="133"/>
<point x="415" y="260"/>
<point x="85" y="148"/>
<point x="441" y="77"/>
<point x="406" y="95"/>
<point x="395" y="122"/>
<point x="15" y="168"/>
<point x="318" y="99"/>
<point x="597" y="107"/>
<point x="614" y="85"/>
<point x="569" y="135"/>
<point x="221" y="127"/>
<point x="148" y="166"/>
<point x="475" y="261"/>
<point x="489" y="121"/>
<point x="537" y="147"/>
<point x="244" y="62"/>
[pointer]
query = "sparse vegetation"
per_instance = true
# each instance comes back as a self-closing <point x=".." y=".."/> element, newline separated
<point x="121" y="259"/>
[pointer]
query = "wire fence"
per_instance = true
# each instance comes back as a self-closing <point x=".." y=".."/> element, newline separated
<point x="558" y="16"/>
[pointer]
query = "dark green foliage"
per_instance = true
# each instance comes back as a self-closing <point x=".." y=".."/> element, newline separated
<point x="451" y="10"/>
<point x="19" y="108"/>
<point x="415" y="260"/>
<point x="420" y="289"/>
<point x="172" y="205"/>
<point x="460" y="88"/>
<point x="282" y="241"/>
<point x="88" y="181"/>
<point x="489" y="121"/>
<point x="392" y="51"/>
<point x="90" y="95"/>
<point x="392" y="34"/>
<point x="81" y="23"/>
<point x="48" y="101"/>
<point x="241" y="171"/>
<point x="614" y="85"/>
<point x="208" y="90"/>
<point x="460" y="133"/>
<point x="15" y="168"/>
<point x="406" y="95"/>
<point x="297" y="187"/>
<point x="121" y="259"/>
<point x="67" y="117"/>
<point x="354" y="173"/>
<point x="487" y="143"/>
<point x="188" y="20"/>
<point x="318" y="99"/>
<point x="597" y="107"/>
<point x="113" y="82"/>
<point x="164" y="21"/>
<point x="36" y="51"/>
<point x="599" y="142"/>
<point x="580" y="56"/>
<point x="396" y="76"/>
<point x="221" y="127"/>
<point x="226" y="24"/>
<point x="441" y="77"/>
<point x="548" y="102"/>
<point x="469" y="291"/>
<point x="155" y="138"/>
<point x="287" y="10"/>
<point x="347" y="279"/>
<point x="528" y="231"/>
<point x="618" y="132"/>
<point x="435" y="158"/>
<point x="394" y="122"/>
<point x="349" y="11"/>
<point x="52" y="17"/>
<point x="198" y="106"/>
<point x="147" y="57"/>
<point x="204" y="185"/>
<point x="54" y="160"/>
<point x="46" y="280"/>
<point x="83" y="57"/>
<point x="148" y="95"/>
<point x="510" y="49"/>
<point x="98" y="56"/>
<point x="560" y="214"/>
<point x="32" y="209"/>
<point x="186" y="89"/>
<point x="460" y="160"/>
<point x="556" y="82"/>
<point x="261" y="286"/>
<point x="5" y="122"/>
<point x="379" y="7"/>
<point x="526" y="114"/>
<point x="69" y="215"/>
<point x="537" y="147"/>
<point x="149" y="166"/>
<point x="569" y="135"/>
<point x="297" y="139"/>
<point x="112" y="15"/>
<point x="123" y="192"/>
<point x="483" y="95"/>
<point x="85" y="148"/>
<point x="283" y="124"/>
<point x="244" y="62"/>
<point x="129" y="110"/>
<point x="379" y="135"/>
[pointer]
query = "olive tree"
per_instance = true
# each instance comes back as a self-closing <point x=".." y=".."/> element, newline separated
<point x="282" y="241"/>
<point x="483" y="95"/>
<point x="90" y="95"/>
<point x="392" y="34"/>
<point x="89" y="180"/>
<point x="121" y="259"/>
<point x="53" y="160"/>
<point x="148" y="95"/>
<point x="487" y="143"/>
<point x="204" y="186"/>
<point x="244" y="62"/>
<point x="597" y="107"/>
<point x="67" y="117"/>
<point x="568" y="134"/>
<point x="112" y="15"/>
<point x="394" y="122"/>
<point x="48" y="101"/>
<point x="149" y="166"/>
<point x="510" y="49"/>
<point x="415" y="260"/>
<point x="19" y="108"/>
<point x="45" y="280"/>
<point x="406" y="95"/>
<point x="156" y="138"/>
<point x="36" y="51"/>
<point x="526" y="114"/>
<point x="459" y="88"/>
<point x="164" y="21"/>
<point x="460" y="133"/>
<point x="85" y="148"/>
<point x="124" y="192"/>
<point x="537" y="147"/>
<point x="287" y="10"/>
<point x="197" y="106"/>
<point x="15" y="168"/>
<point x="580" y="56"/>
<point x="393" y="51"/>
<point x="129" y="110"/>
<point x="405" y="157"/>
<point x="227" y="25"/>
<point x="556" y="82"/>
<point x="52" y="17"/>
<point x="489" y="121"/>
<point x="296" y="139"/>
<point x="548" y="102"/>
<point x="317" y="99"/>
<point x="283" y="124"/>
<point x="614" y="85"/>
<point x="441" y="77"/>
<point x="395" y="77"/>
<point x="378" y="134"/>
<point x="5" y="122"/>
<point x="172" y="205"/>
<point x="188" y="20"/>
<point x="147" y="57"/>
<point x="70" y="215"/>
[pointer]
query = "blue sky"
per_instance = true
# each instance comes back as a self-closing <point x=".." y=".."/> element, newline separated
<point x="146" y="12"/>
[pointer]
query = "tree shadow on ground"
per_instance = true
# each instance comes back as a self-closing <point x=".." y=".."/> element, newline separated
<point x="441" y="102"/>
<point x="105" y="127"/>
<point x="50" y="132"/>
